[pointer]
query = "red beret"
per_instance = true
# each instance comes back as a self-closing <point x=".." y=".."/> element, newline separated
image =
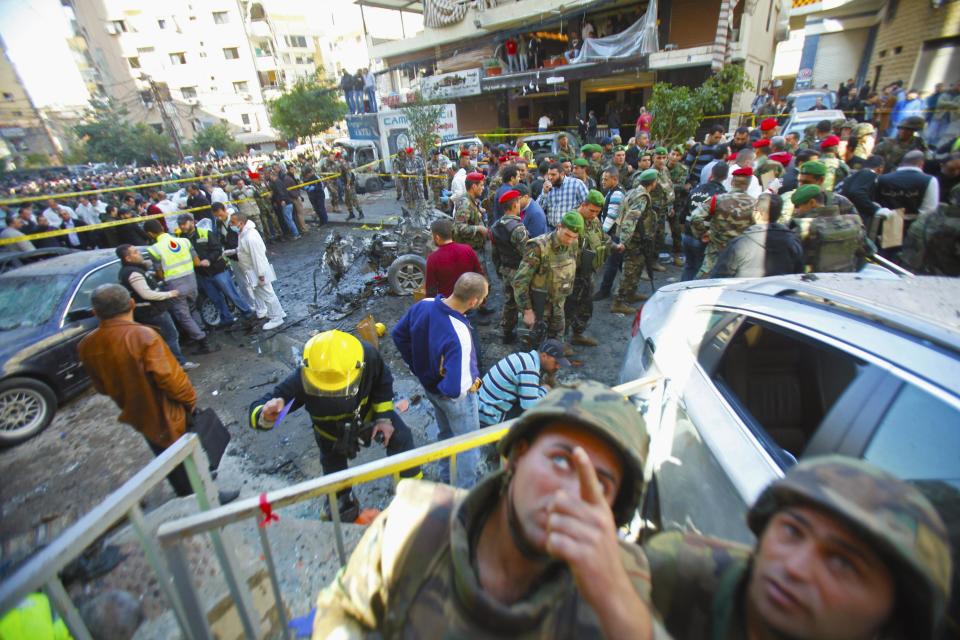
<point x="762" y="142"/>
<point x="783" y="157"/>
<point x="337" y="155"/>
<point x="503" y="159"/>
<point x="768" y="124"/>
<point x="731" y="157"/>
<point x="476" y="176"/>
<point x="829" y="141"/>
<point x="743" y="171"/>
<point x="464" y="154"/>
<point x="409" y="149"/>
<point x="508" y="196"/>
<point x="254" y="175"/>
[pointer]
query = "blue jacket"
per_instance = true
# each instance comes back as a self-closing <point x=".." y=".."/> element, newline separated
<point x="535" y="220"/>
<point x="435" y="342"/>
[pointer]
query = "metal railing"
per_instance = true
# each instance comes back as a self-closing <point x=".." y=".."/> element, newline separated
<point x="42" y="570"/>
<point x="172" y="534"/>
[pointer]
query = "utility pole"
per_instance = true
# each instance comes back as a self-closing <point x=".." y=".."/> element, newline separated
<point x="163" y="114"/>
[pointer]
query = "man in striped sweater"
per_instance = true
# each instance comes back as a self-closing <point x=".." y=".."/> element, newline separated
<point x="513" y="385"/>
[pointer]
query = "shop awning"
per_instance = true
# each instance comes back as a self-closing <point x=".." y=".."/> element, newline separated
<point x="545" y="78"/>
<point x="413" y="6"/>
<point x="258" y="137"/>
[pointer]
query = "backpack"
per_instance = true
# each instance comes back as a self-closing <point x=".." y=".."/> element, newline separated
<point x="942" y="240"/>
<point x="502" y="231"/>
<point x="834" y="243"/>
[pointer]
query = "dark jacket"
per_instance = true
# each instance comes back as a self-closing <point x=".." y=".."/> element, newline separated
<point x="132" y="233"/>
<point x="133" y="365"/>
<point x="860" y="188"/>
<point x="207" y="246"/>
<point x="84" y="238"/>
<point x="762" y="250"/>
<point x="199" y="200"/>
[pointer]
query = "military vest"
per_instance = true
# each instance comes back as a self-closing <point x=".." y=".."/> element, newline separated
<point x="830" y="180"/>
<point x="558" y="267"/>
<point x="933" y="242"/>
<point x="502" y="232"/>
<point x="592" y="248"/>
<point x="831" y="241"/>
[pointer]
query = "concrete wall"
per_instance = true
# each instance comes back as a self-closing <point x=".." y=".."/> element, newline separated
<point x="914" y="22"/>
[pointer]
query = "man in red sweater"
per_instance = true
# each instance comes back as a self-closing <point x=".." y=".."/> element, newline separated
<point x="449" y="261"/>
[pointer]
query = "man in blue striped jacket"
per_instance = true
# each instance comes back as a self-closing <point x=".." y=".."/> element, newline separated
<point x="513" y="385"/>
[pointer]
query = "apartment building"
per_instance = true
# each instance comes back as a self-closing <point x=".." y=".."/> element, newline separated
<point x="24" y="130"/>
<point x="464" y="51"/>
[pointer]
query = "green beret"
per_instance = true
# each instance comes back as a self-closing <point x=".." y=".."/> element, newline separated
<point x="814" y="168"/>
<point x="592" y="148"/>
<point x="595" y="197"/>
<point x="648" y="176"/>
<point x="619" y="147"/>
<point x="581" y="162"/>
<point x="572" y="220"/>
<point x="804" y="194"/>
<point x="660" y="151"/>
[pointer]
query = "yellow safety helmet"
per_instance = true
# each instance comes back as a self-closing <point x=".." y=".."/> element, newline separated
<point x="332" y="364"/>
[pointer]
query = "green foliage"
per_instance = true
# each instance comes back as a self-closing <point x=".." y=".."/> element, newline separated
<point x="35" y="160"/>
<point x="424" y="117"/>
<point x="108" y="136"/>
<point x="217" y="136"/>
<point x="308" y="109"/>
<point x="678" y="111"/>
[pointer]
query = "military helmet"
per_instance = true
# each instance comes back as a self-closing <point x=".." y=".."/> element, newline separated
<point x="891" y="515"/>
<point x="915" y="123"/>
<point x="604" y="412"/>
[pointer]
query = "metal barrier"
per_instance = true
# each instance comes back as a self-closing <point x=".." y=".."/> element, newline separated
<point x="171" y="534"/>
<point x="42" y="570"/>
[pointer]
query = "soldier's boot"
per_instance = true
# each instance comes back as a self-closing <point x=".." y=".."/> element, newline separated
<point x="619" y="306"/>
<point x="361" y="213"/>
<point x="677" y="260"/>
<point x="657" y="266"/>
<point x="583" y="341"/>
<point x="351" y="216"/>
<point x="601" y="295"/>
<point x="568" y="350"/>
<point x="635" y="297"/>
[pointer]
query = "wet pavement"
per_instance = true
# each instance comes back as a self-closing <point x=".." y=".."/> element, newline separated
<point x="53" y="479"/>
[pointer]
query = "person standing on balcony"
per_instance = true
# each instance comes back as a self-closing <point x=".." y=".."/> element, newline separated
<point x="370" y="88"/>
<point x="510" y="46"/>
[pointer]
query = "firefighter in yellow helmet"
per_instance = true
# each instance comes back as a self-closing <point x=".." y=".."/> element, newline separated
<point x="347" y="389"/>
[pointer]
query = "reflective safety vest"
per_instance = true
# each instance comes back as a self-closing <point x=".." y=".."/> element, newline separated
<point x="33" y="619"/>
<point x="174" y="256"/>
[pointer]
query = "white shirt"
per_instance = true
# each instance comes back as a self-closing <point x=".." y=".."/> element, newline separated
<point x="170" y="211"/>
<point x="72" y="238"/>
<point x="544" y="122"/>
<point x="53" y="218"/>
<point x="88" y="214"/>
<point x="931" y="197"/>
<point x="458" y="186"/>
<point x="218" y="195"/>
<point x="100" y="207"/>
<point x="754" y="190"/>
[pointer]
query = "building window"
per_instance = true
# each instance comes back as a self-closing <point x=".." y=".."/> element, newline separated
<point x="221" y="17"/>
<point x="134" y="62"/>
<point x="897" y="50"/>
<point x="231" y="53"/>
<point x="144" y="49"/>
<point x="8" y="96"/>
<point x="119" y="26"/>
<point x="178" y="58"/>
<point x="286" y="58"/>
<point x="296" y="41"/>
<point x="162" y="23"/>
<point x="157" y="127"/>
<point x="245" y="118"/>
<point x="240" y="87"/>
<point x="188" y="92"/>
<point x="17" y="112"/>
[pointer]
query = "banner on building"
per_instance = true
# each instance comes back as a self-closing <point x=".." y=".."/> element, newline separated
<point x="455" y="84"/>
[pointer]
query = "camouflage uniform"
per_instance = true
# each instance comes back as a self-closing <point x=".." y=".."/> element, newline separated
<point x="596" y="171"/>
<point x="578" y="308"/>
<point x="932" y="243"/>
<point x="399" y="169"/>
<point x="700" y="583"/>
<point x="267" y="212"/>
<point x="508" y="248"/>
<point x="413" y="183"/>
<point x="246" y="204"/>
<point x="550" y="267"/>
<point x="334" y="185"/>
<point x="623" y="171"/>
<point x="832" y="198"/>
<point x="468" y="226"/>
<point x="837" y="170"/>
<point x="490" y="203"/>
<point x="437" y="184"/>
<point x="349" y="179"/>
<point x="637" y="229"/>
<point x="413" y="574"/>
<point x="663" y="198"/>
<point x="845" y="255"/>
<point x="892" y="150"/>
<point x="569" y="154"/>
<point x="732" y="213"/>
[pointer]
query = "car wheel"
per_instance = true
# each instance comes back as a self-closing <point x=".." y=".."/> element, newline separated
<point x="372" y="185"/>
<point x="208" y="311"/>
<point x="26" y="408"/>
<point x="407" y="274"/>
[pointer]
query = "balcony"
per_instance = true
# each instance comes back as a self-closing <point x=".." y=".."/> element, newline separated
<point x="259" y="29"/>
<point x="264" y="62"/>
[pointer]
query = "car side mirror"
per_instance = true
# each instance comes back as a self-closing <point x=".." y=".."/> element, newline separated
<point x="76" y="315"/>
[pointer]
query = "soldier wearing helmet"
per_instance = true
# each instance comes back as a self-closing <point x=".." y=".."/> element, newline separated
<point x="845" y="551"/>
<point x="908" y="138"/>
<point x="345" y="386"/>
<point x="530" y="552"/>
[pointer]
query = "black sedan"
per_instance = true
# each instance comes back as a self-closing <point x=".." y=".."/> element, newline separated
<point x="45" y="311"/>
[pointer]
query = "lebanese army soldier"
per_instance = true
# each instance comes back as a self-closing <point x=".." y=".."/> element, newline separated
<point x="508" y="237"/>
<point x="496" y="181"/>
<point x="413" y="182"/>
<point x="399" y="171"/>
<point x="932" y="243"/>
<point x="349" y="180"/>
<point x="581" y="168"/>
<point x="594" y="246"/>
<point x="468" y="226"/>
<point x="268" y="214"/>
<point x="815" y="172"/>
<point x="864" y="138"/>
<point x="530" y="552"/>
<point x="593" y="152"/>
<point x="845" y="551"/>
<point x="335" y="186"/>
<point x="637" y="227"/>
<point x="545" y="279"/>
<point x="436" y="176"/>
<point x="564" y="150"/>
<point x="907" y="139"/>
<point x="663" y="197"/>
<point x="809" y="139"/>
<point x="837" y="169"/>
<point x="832" y="242"/>
<point x="722" y="218"/>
